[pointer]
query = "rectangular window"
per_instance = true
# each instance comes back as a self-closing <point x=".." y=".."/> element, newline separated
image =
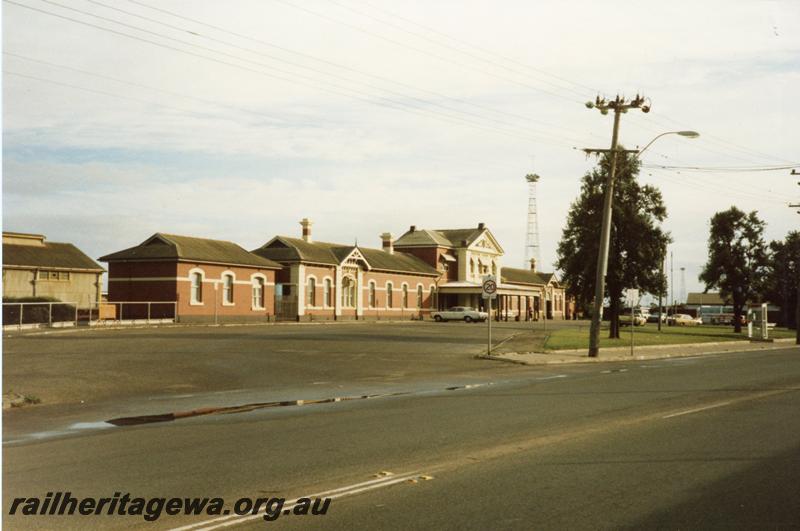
<point x="227" y="289"/>
<point x="197" y="288"/>
<point x="258" y="293"/>
<point x="328" y="293"/>
<point x="311" y="295"/>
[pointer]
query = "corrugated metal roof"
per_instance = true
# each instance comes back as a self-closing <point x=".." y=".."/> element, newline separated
<point x="51" y="254"/>
<point x="163" y="246"/>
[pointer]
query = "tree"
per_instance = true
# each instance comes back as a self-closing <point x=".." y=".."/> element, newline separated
<point x="637" y="245"/>
<point x="737" y="258"/>
<point x="783" y="277"/>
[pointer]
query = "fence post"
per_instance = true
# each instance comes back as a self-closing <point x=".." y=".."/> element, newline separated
<point x="50" y="316"/>
<point x="148" y="312"/>
<point x="76" y="315"/>
<point x="21" y="307"/>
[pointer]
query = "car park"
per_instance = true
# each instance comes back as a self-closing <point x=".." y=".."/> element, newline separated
<point x="460" y="313"/>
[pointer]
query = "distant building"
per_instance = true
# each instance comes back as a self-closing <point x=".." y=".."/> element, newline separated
<point x="712" y="308"/>
<point x="210" y="280"/>
<point x="322" y="280"/>
<point x="34" y="267"/>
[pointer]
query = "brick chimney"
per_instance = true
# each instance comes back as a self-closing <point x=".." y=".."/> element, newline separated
<point x="413" y="228"/>
<point x="481" y="225"/>
<point x="306" y="224"/>
<point x="388" y="242"/>
<point x="533" y="265"/>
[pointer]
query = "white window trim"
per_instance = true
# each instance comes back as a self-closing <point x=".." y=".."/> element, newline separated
<point x="404" y="300"/>
<point x="263" y="278"/>
<point x="372" y="288"/>
<point x="421" y="299"/>
<point x="193" y="302"/>
<point x="331" y="292"/>
<point x="316" y="288"/>
<point x="233" y="283"/>
<point x="389" y="295"/>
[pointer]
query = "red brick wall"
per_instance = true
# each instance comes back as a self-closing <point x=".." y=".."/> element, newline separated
<point x="168" y="284"/>
<point x="319" y="308"/>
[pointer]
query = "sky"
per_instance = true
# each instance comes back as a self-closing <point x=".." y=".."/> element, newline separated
<point x="235" y="120"/>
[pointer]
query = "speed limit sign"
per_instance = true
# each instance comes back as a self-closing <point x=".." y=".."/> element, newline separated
<point x="489" y="287"/>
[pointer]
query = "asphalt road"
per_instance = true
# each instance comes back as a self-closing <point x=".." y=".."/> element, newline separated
<point x="709" y="442"/>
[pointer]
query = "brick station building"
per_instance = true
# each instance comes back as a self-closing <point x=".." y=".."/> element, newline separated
<point x="301" y="279"/>
<point x="464" y="256"/>
<point x="210" y="280"/>
<point x="324" y="281"/>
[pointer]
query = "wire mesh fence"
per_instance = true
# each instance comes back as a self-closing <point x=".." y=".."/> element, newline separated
<point x="22" y="315"/>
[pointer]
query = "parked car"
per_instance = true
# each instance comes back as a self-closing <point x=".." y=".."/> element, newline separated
<point x="655" y="316"/>
<point x="638" y="319"/>
<point x="682" y="319"/>
<point x="460" y="313"/>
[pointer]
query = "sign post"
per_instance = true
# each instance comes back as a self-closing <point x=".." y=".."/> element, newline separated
<point x="489" y="288"/>
<point x="632" y="299"/>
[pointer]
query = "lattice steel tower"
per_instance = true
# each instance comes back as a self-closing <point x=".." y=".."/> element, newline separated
<point x="532" y="237"/>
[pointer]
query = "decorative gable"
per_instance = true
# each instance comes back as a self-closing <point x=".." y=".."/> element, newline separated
<point x="355" y="260"/>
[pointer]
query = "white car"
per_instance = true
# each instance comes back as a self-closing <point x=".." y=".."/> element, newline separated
<point x="682" y="319"/>
<point x="459" y="313"/>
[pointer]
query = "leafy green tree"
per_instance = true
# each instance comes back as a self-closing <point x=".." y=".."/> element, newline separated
<point x="637" y="246"/>
<point x="737" y="259"/>
<point x="783" y="277"/>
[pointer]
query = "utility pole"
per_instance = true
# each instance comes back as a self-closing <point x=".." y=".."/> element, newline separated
<point x="671" y="283"/>
<point x="661" y="291"/>
<point x="619" y="105"/>
<point x="797" y="305"/>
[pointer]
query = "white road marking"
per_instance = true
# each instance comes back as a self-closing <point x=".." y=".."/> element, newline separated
<point x="349" y="490"/>
<point x="695" y="410"/>
<point x="552" y="377"/>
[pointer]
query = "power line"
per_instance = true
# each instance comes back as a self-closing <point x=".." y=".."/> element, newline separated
<point x="384" y="102"/>
<point x="314" y="58"/>
<point x="468" y="54"/>
<point x="422" y="51"/>
<point x="483" y="50"/>
<point x="721" y="168"/>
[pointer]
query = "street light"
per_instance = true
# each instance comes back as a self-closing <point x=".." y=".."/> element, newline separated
<point x="687" y="134"/>
<point x="619" y="105"/>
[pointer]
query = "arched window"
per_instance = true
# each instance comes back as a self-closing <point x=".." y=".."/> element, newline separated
<point x="197" y="288"/>
<point x="494" y="268"/>
<point x="405" y="296"/>
<point x="471" y="266"/>
<point x="258" y="292"/>
<point x="328" y="292"/>
<point x="348" y="292"/>
<point x="419" y="296"/>
<point x="389" y="295"/>
<point x="311" y="291"/>
<point x="372" y="301"/>
<point x="227" y="289"/>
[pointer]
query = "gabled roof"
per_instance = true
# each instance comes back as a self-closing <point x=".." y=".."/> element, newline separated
<point x="439" y="237"/>
<point x="296" y="250"/>
<point x="513" y="275"/>
<point x="48" y="255"/>
<point x="163" y="247"/>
